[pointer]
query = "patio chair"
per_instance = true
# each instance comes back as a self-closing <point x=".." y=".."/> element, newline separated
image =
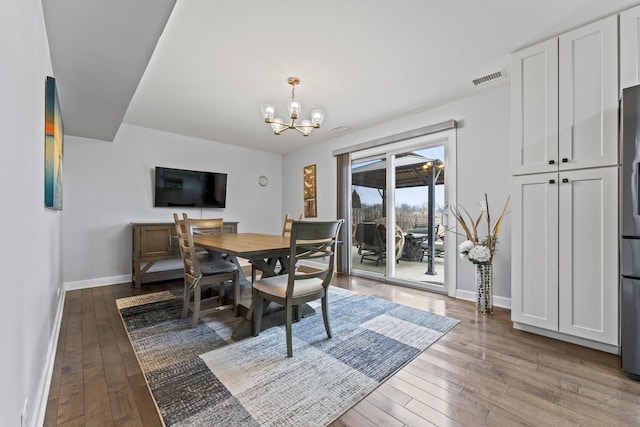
<point x="377" y="250"/>
<point x="398" y="236"/>
<point x="438" y="246"/>
<point x="368" y="245"/>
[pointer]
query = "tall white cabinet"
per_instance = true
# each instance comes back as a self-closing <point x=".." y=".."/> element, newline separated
<point x="630" y="47"/>
<point x="565" y="186"/>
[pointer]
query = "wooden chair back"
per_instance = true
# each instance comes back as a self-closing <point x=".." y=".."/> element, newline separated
<point x="205" y="226"/>
<point x="187" y="250"/>
<point x="286" y="228"/>
<point x="312" y="240"/>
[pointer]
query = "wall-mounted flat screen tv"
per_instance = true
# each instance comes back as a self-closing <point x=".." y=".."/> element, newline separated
<point x="189" y="188"/>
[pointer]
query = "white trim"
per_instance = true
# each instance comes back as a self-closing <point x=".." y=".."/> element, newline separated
<point x="45" y="381"/>
<point x="498" y="301"/>
<point x="94" y="283"/>
<point x="450" y="196"/>
<point x="448" y="138"/>
<point x="403" y="136"/>
<point x="614" y="349"/>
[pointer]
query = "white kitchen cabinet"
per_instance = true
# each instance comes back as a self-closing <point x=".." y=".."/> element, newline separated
<point x="588" y="96"/>
<point x="534" y="108"/>
<point x="629" y="47"/>
<point x="534" y="250"/>
<point x="564" y="101"/>
<point x="588" y="254"/>
<point x="564" y="253"/>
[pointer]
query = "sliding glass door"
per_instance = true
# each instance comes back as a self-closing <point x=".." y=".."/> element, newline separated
<point x="399" y="206"/>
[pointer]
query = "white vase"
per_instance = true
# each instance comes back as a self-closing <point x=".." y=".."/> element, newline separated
<point x="484" y="289"/>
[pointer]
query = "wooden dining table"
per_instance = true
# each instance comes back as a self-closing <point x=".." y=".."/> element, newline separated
<point x="263" y="251"/>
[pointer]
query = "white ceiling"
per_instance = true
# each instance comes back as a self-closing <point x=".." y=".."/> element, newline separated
<point x="361" y="61"/>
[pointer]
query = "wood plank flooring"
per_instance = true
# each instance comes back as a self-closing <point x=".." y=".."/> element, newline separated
<point x="483" y="372"/>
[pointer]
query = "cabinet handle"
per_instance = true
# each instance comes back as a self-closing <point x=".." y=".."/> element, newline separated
<point x="552" y="162"/>
<point x="169" y="240"/>
<point x="565" y="180"/>
<point x="565" y="160"/>
<point x="552" y="181"/>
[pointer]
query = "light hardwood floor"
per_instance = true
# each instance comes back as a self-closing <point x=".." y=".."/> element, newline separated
<point x="482" y="372"/>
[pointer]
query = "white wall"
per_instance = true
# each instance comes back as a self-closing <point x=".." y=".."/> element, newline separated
<point x="32" y="252"/>
<point x="108" y="185"/>
<point x="483" y="164"/>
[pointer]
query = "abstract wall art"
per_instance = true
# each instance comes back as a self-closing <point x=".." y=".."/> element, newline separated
<point x="53" y="134"/>
<point x="309" y="177"/>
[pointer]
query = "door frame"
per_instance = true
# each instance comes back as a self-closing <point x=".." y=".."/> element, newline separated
<point x="449" y="140"/>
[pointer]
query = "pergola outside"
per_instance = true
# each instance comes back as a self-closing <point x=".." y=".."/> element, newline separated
<point x="412" y="170"/>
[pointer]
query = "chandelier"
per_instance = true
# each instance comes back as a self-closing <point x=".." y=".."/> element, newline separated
<point x="293" y="105"/>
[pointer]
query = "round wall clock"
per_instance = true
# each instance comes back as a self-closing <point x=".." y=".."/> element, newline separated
<point x="263" y="181"/>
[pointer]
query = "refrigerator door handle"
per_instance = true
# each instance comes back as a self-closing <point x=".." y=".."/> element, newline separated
<point x="630" y="276"/>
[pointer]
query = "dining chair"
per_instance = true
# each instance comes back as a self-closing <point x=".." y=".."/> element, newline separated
<point x="309" y="240"/>
<point x="286" y="227"/>
<point x="211" y="226"/>
<point x="198" y="275"/>
<point x="204" y="226"/>
<point x="286" y="231"/>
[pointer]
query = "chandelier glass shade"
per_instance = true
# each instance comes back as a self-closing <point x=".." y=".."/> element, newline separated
<point x="293" y="106"/>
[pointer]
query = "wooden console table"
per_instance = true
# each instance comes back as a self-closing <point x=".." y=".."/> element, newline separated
<point x="156" y="241"/>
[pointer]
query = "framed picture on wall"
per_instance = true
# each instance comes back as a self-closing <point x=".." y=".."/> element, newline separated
<point x="53" y="135"/>
<point x="309" y="178"/>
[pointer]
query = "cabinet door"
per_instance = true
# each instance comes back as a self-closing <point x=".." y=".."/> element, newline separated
<point x="534" y="109"/>
<point x="534" y="245"/>
<point x="630" y="47"/>
<point x="155" y="241"/>
<point x="588" y="245"/>
<point x="588" y="96"/>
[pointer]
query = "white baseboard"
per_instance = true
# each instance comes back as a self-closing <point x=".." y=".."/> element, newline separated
<point x="94" y="283"/>
<point x="45" y="381"/>
<point x="498" y="301"/>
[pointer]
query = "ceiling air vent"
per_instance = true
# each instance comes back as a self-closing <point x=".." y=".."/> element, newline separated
<point x="488" y="78"/>
<point x="339" y="129"/>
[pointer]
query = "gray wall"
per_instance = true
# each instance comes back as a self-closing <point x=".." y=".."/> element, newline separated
<point x="108" y="185"/>
<point x="483" y="165"/>
<point x="32" y="253"/>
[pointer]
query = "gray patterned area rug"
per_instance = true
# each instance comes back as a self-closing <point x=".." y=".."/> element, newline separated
<point x="201" y="376"/>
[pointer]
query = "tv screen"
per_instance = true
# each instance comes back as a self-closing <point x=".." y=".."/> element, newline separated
<point x="188" y="188"/>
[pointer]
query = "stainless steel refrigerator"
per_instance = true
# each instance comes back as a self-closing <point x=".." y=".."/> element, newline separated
<point x="630" y="232"/>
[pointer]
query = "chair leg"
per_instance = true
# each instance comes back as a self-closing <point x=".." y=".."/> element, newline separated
<point x="186" y="298"/>
<point x="325" y="314"/>
<point x="289" y="310"/>
<point x="257" y="312"/>
<point x="197" y="296"/>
